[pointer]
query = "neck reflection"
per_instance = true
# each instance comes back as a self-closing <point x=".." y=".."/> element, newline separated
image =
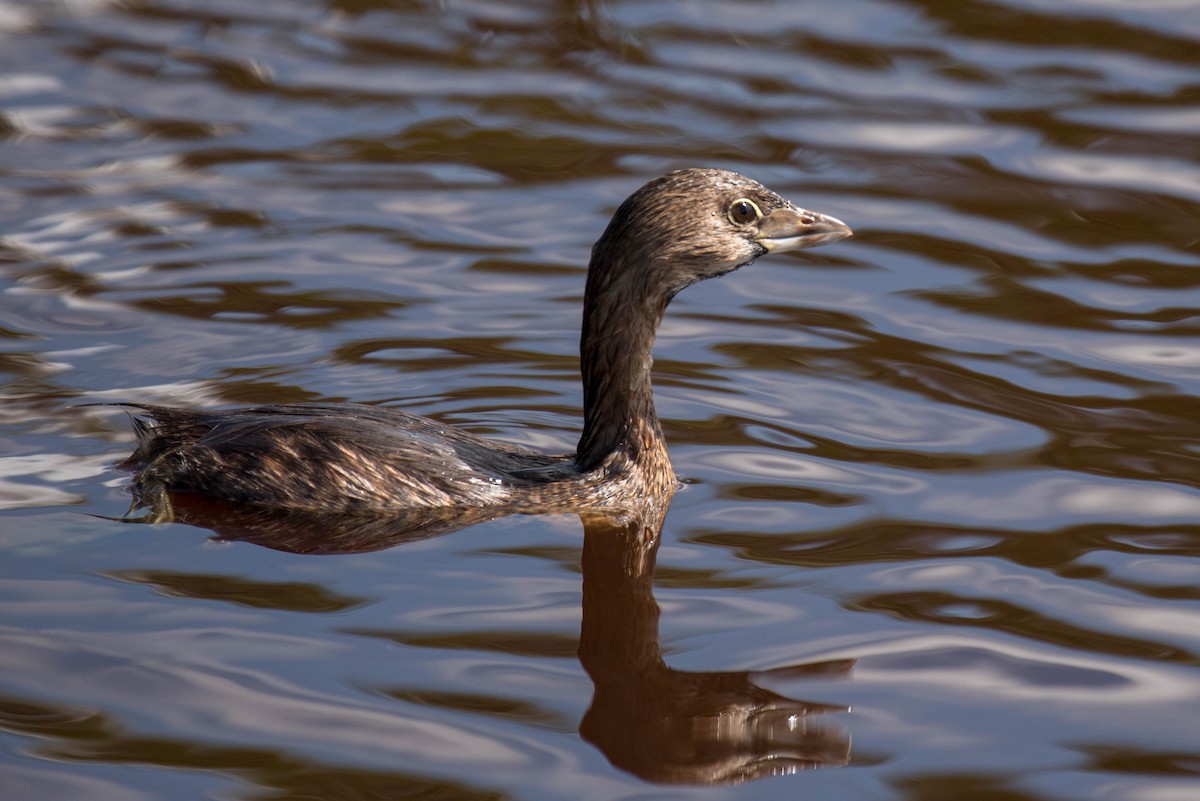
<point x="660" y="724"/>
<point x="673" y="726"/>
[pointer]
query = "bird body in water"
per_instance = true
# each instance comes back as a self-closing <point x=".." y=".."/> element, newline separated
<point x="678" y="229"/>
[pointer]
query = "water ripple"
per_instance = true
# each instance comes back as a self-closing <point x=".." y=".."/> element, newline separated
<point x="958" y="449"/>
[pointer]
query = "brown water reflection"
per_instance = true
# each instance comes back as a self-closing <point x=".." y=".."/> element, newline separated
<point x="959" y="451"/>
<point x="668" y="725"/>
<point x="660" y="724"/>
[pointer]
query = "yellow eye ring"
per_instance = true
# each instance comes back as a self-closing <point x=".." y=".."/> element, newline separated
<point x="744" y="210"/>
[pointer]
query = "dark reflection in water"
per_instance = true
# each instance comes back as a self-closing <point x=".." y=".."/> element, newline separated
<point x="308" y="533"/>
<point x="960" y="451"/>
<point x="669" y="725"/>
<point x="660" y="724"/>
<point x="293" y="597"/>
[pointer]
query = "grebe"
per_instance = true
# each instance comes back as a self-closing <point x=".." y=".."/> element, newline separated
<point x="676" y="230"/>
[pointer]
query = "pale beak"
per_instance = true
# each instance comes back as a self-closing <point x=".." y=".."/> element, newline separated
<point x="790" y="228"/>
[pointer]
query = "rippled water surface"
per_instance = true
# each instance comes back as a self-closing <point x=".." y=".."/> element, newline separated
<point x="940" y="530"/>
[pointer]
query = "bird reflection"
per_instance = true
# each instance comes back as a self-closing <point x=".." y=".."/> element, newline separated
<point x="668" y="725"/>
<point x="660" y="724"/>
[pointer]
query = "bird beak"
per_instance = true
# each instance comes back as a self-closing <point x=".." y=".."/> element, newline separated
<point x="790" y="228"/>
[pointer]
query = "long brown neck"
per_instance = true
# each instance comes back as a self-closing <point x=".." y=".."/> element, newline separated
<point x="620" y="316"/>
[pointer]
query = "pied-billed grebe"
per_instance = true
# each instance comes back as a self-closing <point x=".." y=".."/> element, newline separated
<point x="676" y="230"/>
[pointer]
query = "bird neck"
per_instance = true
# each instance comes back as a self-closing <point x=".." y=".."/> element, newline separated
<point x="620" y="319"/>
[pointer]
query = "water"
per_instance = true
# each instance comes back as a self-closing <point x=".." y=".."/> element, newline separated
<point x="939" y="532"/>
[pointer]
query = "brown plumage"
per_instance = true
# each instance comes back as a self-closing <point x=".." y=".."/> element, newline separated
<point x="676" y="230"/>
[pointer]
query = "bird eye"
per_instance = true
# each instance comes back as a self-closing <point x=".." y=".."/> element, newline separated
<point x="743" y="210"/>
